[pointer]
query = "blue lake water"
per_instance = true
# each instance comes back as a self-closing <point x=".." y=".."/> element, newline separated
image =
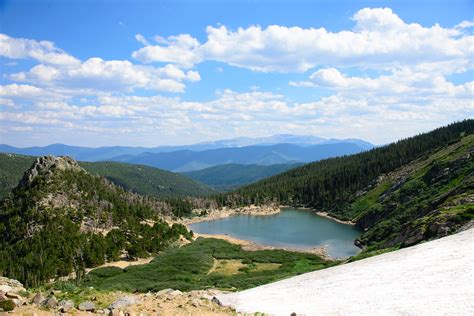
<point x="291" y="228"/>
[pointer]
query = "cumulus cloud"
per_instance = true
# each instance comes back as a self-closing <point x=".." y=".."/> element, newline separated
<point x="465" y="25"/>
<point x="372" y="116"/>
<point x="181" y="49"/>
<point x="385" y="79"/>
<point x="379" y="39"/>
<point x="62" y="71"/>
<point x="42" y="51"/>
<point x="113" y="75"/>
<point x="405" y="81"/>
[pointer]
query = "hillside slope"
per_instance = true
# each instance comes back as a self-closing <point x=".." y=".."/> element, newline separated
<point x="61" y="219"/>
<point x="230" y="176"/>
<point x="434" y="278"/>
<point x="400" y="194"/>
<point x="140" y="179"/>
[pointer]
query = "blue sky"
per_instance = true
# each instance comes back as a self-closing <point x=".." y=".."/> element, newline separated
<point x="176" y="72"/>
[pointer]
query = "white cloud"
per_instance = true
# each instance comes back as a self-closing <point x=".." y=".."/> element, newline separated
<point x="375" y="116"/>
<point x="379" y="40"/>
<point x="96" y="74"/>
<point x="141" y="39"/>
<point x="43" y="51"/>
<point x="181" y="50"/>
<point x="406" y="81"/>
<point x="386" y="79"/>
<point x="16" y="91"/>
<point x="465" y="25"/>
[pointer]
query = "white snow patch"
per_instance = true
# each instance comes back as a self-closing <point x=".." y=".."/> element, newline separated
<point x="433" y="278"/>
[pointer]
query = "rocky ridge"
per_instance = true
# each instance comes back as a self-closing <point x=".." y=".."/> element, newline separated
<point x="45" y="166"/>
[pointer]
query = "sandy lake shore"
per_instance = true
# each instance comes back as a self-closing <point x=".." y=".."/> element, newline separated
<point x="258" y="210"/>
<point x="326" y="214"/>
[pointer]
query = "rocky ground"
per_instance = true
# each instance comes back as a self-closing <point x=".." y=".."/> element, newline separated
<point x="165" y="302"/>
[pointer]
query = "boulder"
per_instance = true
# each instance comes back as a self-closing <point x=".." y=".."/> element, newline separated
<point x="123" y="301"/>
<point x="17" y="302"/>
<point x="87" y="306"/>
<point x="51" y="302"/>
<point x="164" y="292"/>
<point x="14" y="285"/>
<point x="207" y="297"/>
<point x="65" y="306"/>
<point x="216" y="300"/>
<point x="38" y="299"/>
<point x="176" y="292"/>
<point x="5" y="288"/>
<point x="116" y="312"/>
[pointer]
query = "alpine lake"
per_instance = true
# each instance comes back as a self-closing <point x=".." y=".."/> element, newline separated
<point x="292" y="228"/>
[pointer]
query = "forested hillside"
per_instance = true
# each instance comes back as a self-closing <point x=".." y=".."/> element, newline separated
<point x="140" y="179"/>
<point x="61" y="219"/>
<point x="335" y="184"/>
<point x="231" y="176"/>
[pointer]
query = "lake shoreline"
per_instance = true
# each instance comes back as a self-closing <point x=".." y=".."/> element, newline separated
<point x="321" y="250"/>
<point x="326" y="215"/>
<point x="256" y="210"/>
<point x="322" y="214"/>
<point x="213" y="214"/>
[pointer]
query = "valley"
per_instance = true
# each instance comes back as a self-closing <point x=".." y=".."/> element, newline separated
<point x="396" y="196"/>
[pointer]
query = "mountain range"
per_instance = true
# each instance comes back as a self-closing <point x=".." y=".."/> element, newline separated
<point x="276" y="149"/>
<point x="231" y="176"/>
<point x="187" y="160"/>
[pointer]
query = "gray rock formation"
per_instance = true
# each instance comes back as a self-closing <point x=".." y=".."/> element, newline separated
<point x="45" y="166"/>
<point x="87" y="306"/>
<point x="123" y="301"/>
<point x="38" y="299"/>
<point x="66" y="305"/>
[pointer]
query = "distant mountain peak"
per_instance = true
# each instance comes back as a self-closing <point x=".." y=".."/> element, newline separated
<point x="46" y="165"/>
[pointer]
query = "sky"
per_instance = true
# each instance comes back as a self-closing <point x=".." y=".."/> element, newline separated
<point x="150" y="73"/>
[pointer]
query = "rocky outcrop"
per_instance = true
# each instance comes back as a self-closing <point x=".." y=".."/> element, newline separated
<point x="45" y="166"/>
<point x="11" y="293"/>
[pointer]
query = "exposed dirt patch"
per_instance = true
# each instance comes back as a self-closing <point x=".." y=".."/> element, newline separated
<point x="227" y="267"/>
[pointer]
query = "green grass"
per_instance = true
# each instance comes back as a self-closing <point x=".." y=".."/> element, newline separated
<point x="369" y="200"/>
<point x="187" y="268"/>
<point x="368" y="253"/>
